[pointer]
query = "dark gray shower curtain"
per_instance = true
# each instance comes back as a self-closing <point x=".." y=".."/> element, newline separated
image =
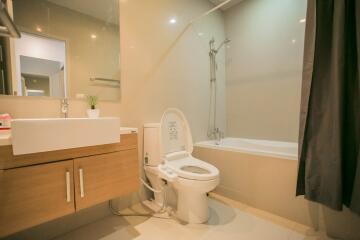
<point x="329" y="138"/>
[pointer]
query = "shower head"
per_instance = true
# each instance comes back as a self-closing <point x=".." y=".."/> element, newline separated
<point x="226" y="41"/>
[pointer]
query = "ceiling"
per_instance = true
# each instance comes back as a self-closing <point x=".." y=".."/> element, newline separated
<point x="105" y="10"/>
<point x="108" y="10"/>
<point x="226" y="6"/>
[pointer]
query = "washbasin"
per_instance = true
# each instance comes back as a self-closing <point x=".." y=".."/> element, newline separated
<point x="49" y="134"/>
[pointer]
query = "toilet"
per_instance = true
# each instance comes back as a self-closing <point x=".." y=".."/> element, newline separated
<point x="167" y="156"/>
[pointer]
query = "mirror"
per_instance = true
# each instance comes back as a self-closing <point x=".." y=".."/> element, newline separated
<point x="68" y="48"/>
<point x="42" y="77"/>
<point x="41" y="72"/>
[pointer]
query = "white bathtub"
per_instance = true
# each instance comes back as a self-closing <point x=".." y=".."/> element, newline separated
<point x="287" y="150"/>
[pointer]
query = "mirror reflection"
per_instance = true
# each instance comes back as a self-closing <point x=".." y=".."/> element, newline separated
<point x="68" y="48"/>
<point x="41" y="71"/>
<point x="42" y="77"/>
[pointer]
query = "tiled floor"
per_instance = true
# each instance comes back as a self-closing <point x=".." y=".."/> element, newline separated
<point x="229" y="220"/>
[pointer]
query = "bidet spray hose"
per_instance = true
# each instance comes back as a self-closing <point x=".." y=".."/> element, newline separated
<point x="163" y="207"/>
<point x="148" y="186"/>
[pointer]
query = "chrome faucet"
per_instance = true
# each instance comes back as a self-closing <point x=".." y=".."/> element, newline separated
<point x="64" y="107"/>
<point x="218" y="136"/>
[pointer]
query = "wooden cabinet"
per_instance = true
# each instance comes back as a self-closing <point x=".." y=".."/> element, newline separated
<point x="68" y="181"/>
<point x="103" y="177"/>
<point x="35" y="194"/>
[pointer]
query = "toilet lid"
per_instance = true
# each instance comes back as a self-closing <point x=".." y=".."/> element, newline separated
<point x="177" y="145"/>
<point x="175" y="135"/>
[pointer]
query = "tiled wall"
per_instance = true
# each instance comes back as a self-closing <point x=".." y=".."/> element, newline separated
<point x="263" y="71"/>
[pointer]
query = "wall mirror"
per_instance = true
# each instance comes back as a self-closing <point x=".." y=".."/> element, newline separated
<point x="68" y="48"/>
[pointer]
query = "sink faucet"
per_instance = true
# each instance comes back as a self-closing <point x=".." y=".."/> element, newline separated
<point x="64" y="107"/>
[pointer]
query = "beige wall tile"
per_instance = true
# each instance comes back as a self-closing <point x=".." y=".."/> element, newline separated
<point x="263" y="71"/>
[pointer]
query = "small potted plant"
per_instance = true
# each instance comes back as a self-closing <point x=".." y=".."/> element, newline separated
<point x="93" y="112"/>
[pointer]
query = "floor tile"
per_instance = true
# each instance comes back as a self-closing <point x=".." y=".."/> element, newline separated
<point x="228" y="220"/>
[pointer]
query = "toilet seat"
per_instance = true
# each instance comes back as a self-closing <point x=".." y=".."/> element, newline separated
<point x="193" y="169"/>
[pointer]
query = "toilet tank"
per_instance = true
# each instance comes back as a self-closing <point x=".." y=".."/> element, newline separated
<point x="152" y="144"/>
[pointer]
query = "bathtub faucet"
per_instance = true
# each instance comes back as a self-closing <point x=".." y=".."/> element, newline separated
<point x="64" y="107"/>
<point x="218" y="136"/>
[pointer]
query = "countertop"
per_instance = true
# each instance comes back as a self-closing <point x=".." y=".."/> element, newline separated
<point x="5" y="135"/>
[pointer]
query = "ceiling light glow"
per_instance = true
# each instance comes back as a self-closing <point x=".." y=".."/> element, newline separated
<point x="172" y="20"/>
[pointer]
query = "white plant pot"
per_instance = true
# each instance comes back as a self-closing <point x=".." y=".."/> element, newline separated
<point x="93" y="113"/>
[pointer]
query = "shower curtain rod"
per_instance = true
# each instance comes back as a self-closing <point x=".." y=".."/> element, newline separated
<point x="210" y="11"/>
<point x="187" y="26"/>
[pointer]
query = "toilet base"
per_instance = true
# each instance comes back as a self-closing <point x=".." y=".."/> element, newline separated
<point x="192" y="207"/>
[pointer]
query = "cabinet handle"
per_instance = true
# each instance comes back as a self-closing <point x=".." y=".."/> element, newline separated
<point x="67" y="177"/>
<point x="81" y="176"/>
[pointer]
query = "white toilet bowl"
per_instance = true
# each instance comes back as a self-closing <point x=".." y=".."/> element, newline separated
<point x="191" y="177"/>
<point x="192" y="199"/>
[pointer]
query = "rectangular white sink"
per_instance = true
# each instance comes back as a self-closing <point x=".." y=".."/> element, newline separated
<point x="42" y="135"/>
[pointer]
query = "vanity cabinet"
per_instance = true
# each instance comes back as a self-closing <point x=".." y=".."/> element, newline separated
<point x="103" y="177"/>
<point x="39" y="192"/>
<point x="35" y="194"/>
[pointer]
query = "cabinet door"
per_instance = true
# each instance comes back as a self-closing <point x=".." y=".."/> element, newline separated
<point x="36" y="194"/>
<point x="103" y="177"/>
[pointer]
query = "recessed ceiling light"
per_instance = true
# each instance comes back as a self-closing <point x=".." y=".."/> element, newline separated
<point x="293" y="41"/>
<point x="302" y="20"/>
<point x="172" y="20"/>
<point x="39" y="29"/>
<point x="93" y="36"/>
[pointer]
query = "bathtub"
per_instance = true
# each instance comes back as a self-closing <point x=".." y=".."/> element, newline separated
<point x="262" y="174"/>
<point x="286" y="150"/>
<point x="259" y="173"/>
